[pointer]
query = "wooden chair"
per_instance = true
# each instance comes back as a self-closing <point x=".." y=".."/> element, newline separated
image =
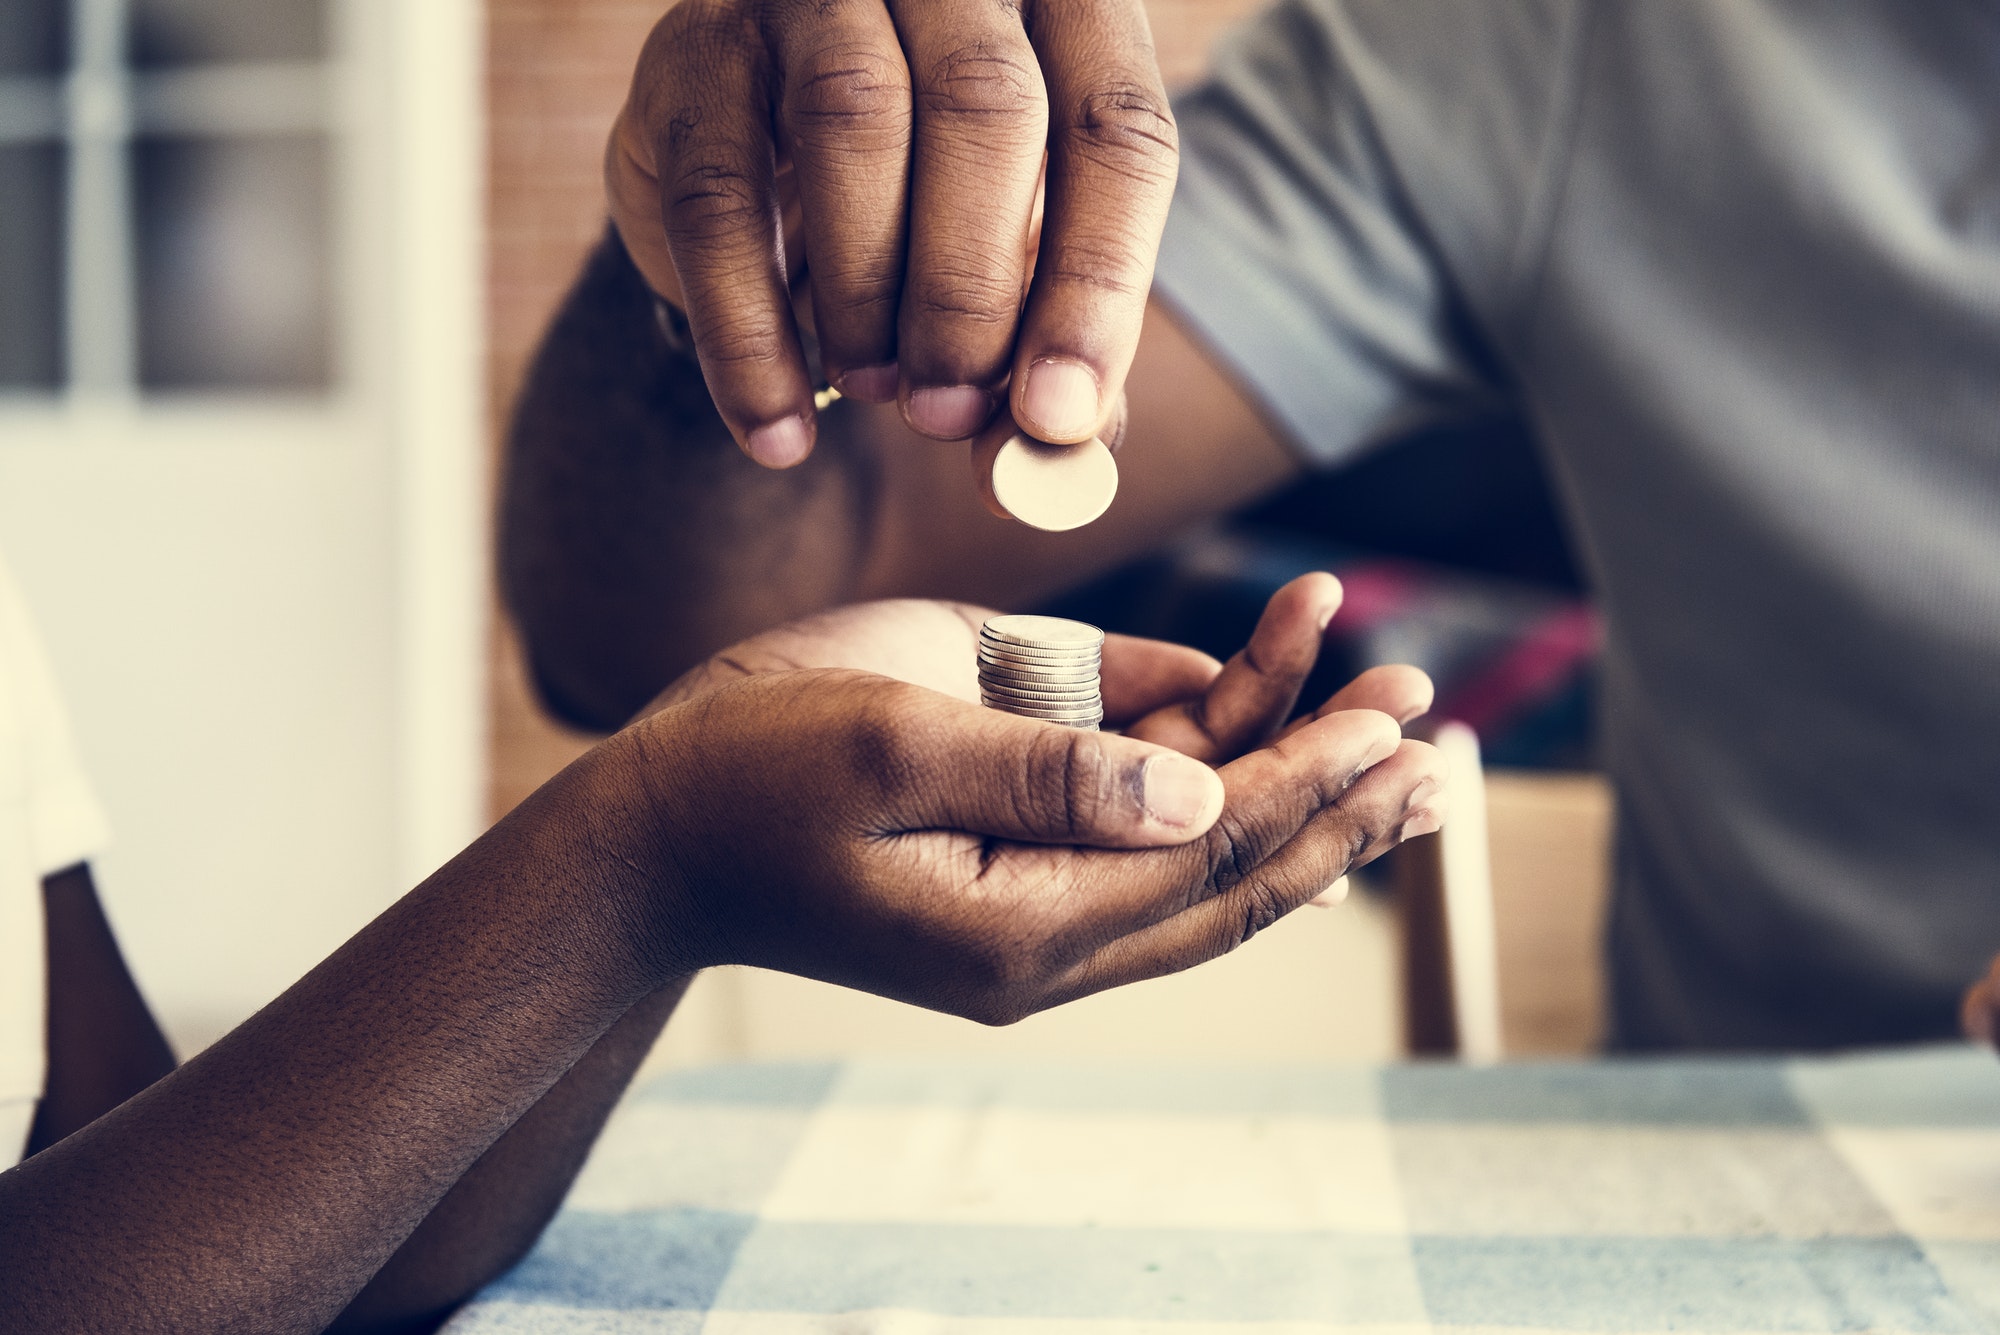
<point x="1502" y="913"/>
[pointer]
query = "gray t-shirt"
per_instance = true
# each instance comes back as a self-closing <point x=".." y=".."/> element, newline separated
<point x="1737" y="262"/>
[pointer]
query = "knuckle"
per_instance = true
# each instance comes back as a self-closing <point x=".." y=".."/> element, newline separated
<point x="704" y="27"/>
<point x="941" y="303"/>
<point x="1067" y="782"/>
<point x="987" y="84"/>
<point x="966" y="293"/>
<point x="1126" y="128"/>
<point x="865" y="290"/>
<point x="1262" y="906"/>
<point x="879" y="754"/>
<point x="850" y="88"/>
<point x="693" y="45"/>
<point x="1232" y="856"/>
<point x="734" y="346"/>
<point x="710" y="195"/>
<point x="851" y="322"/>
<point x="1108" y="267"/>
<point x="683" y="125"/>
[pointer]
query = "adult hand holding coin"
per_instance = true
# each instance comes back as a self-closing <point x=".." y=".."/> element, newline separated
<point x="893" y="151"/>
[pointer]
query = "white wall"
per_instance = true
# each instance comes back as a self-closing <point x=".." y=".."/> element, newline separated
<point x="268" y="620"/>
<point x="1319" y="985"/>
<point x="221" y="620"/>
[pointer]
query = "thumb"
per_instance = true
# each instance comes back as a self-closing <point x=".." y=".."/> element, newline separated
<point x="1015" y="778"/>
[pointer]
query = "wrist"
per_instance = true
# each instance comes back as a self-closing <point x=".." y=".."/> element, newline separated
<point x="601" y="854"/>
<point x="632" y="801"/>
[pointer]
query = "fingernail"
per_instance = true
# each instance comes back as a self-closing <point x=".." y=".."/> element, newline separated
<point x="949" y="413"/>
<point x="1333" y="895"/>
<point x="1385" y="746"/>
<point x="780" y="444"/>
<point x="1061" y="400"/>
<point x="1175" y="790"/>
<point x="1424" y="822"/>
<point x="870" y="384"/>
<point x="1420" y="794"/>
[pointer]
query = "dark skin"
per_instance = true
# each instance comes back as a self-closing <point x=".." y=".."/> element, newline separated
<point x="105" y="1047"/>
<point x="980" y="189"/>
<point x="500" y="1205"/>
<point x="593" y="462"/>
<point x="824" y="799"/>
<point x="968" y="200"/>
<point x="636" y="538"/>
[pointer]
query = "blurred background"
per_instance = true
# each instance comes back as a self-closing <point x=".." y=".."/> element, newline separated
<point x="270" y="271"/>
<point x="241" y="455"/>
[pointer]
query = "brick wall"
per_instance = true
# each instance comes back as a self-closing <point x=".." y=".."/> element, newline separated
<point x="556" y="73"/>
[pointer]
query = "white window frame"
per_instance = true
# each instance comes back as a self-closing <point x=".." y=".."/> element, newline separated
<point x="401" y="96"/>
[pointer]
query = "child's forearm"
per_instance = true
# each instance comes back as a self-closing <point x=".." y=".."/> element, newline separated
<point x="265" y="1182"/>
<point x="103" y="1044"/>
<point x="494" y="1213"/>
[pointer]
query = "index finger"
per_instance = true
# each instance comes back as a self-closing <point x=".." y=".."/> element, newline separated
<point x="1113" y="157"/>
<point x="1272" y="796"/>
<point x="1395" y="800"/>
<point x="1256" y="689"/>
<point x="719" y="207"/>
<point x="1141" y="675"/>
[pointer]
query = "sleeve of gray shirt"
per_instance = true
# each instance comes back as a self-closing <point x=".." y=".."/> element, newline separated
<point x="1361" y="197"/>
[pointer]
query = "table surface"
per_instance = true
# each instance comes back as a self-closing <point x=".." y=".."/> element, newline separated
<point x="1850" y="1194"/>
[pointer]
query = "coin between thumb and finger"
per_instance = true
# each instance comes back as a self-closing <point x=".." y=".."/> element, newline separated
<point x="1054" y="488"/>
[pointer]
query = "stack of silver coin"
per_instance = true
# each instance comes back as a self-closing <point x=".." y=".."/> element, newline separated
<point x="1042" y="667"/>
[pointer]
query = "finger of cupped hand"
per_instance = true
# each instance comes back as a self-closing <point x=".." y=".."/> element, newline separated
<point x="1262" y="882"/>
<point x="1259" y="685"/>
<point x="1070" y="786"/>
<point x="1285" y="645"/>
<point x="1142" y="675"/>
<point x="1329" y="754"/>
<point x="1273" y="793"/>
<point x="1401" y="798"/>
<point x="1276" y="792"/>
<point x="1292" y="826"/>
<point x="921" y="760"/>
<point x="1108" y="791"/>
<point x="1397" y="689"/>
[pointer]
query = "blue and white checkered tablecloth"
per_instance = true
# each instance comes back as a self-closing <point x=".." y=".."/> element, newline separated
<point x="1854" y="1194"/>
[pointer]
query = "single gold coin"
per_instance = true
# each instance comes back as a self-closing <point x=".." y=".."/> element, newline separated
<point x="1050" y="487"/>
